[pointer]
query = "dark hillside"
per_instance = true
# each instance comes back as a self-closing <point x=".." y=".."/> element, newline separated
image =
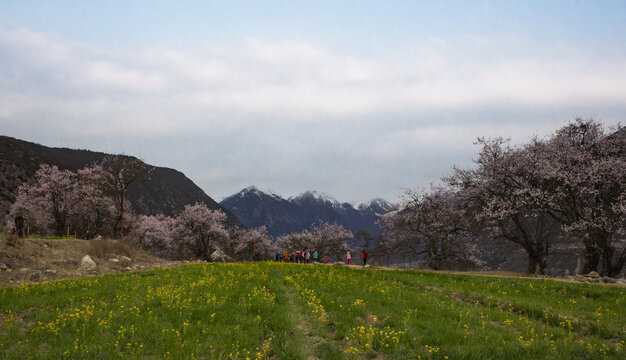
<point x="158" y="190"/>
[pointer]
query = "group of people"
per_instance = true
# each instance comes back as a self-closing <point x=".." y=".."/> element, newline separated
<point x="302" y="257"/>
<point x="305" y="257"/>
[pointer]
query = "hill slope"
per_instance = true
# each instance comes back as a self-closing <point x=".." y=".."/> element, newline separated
<point x="158" y="190"/>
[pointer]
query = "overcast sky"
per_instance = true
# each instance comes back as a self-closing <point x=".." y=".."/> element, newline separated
<point x="357" y="99"/>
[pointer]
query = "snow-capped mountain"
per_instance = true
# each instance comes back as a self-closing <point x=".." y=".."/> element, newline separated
<point x="282" y="216"/>
<point x="378" y="206"/>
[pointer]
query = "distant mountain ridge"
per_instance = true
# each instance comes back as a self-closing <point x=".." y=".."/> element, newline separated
<point x="282" y="216"/>
<point x="158" y="190"/>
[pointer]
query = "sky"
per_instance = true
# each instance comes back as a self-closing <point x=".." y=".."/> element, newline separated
<point x="357" y="99"/>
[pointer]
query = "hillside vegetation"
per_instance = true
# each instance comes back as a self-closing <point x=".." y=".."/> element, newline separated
<point x="288" y="311"/>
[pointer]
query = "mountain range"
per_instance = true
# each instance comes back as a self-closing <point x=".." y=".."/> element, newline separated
<point x="157" y="190"/>
<point x="282" y="216"/>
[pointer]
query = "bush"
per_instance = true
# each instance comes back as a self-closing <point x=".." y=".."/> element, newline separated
<point x="103" y="248"/>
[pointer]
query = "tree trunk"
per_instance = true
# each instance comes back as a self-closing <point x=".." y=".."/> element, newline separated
<point x="592" y="259"/>
<point x="611" y="267"/>
<point x="536" y="259"/>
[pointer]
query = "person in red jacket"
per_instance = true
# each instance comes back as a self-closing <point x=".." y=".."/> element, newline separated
<point x="364" y="257"/>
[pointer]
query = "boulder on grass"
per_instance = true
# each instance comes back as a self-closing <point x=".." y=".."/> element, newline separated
<point x="219" y="256"/>
<point x="87" y="262"/>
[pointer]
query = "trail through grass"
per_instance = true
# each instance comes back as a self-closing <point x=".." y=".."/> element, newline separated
<point x="286" y="311"/>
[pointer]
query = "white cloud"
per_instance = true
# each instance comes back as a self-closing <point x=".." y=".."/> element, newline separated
<point x="299" y="80"/>
<point x="290" y="100"/>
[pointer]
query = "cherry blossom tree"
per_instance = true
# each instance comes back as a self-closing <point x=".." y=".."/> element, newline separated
<point x="252" y="244"/>
<point x="118" y="173"/>
<point x="431" y="225"/>
<point x="500" y="203"/>
<point x="295" y="241"/>
<point x="326" y="239"/>
<point x="155" y="233"/>
<point x="201" y="230"/>
<point x="581" y="185"/>
<point x="574" y="179"/>
<point x="329" y="239"/>
<point x="50" y="198"/>
<point x="94" y="211"/>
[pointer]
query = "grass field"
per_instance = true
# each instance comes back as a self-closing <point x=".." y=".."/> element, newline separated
<point x="285" y="311"/>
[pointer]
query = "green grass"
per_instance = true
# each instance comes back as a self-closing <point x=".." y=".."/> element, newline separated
<point x="285" y="311"/>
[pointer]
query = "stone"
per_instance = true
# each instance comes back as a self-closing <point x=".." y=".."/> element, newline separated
<point x="609" y="280"/>
<point x="128" y="268"/>
<point x="218" y="255"/>
<point x="3" y="266"/>
<point x="593" y="274"/>
<point x="25" y="269"/>
<point x="114" y="260"/>
<point x="51" y="272"/>
<point x="87" y="262"/>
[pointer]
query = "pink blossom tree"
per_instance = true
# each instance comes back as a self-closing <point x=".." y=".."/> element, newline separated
<point x="201" y="230"/>
<point x="155" y="233"/>
<point x="500" y="203"/>
<point x="118" y="173"/>
<point x="431" y="225"/>
<point x="295" y="241"/>
<point x="329" y="239"/>
<point x="50" y="198"/>
<point x="326" y="239"/>
<point x="252" y="244"/>
<point x="580" y="183"/>
<point x="94" y="212"/>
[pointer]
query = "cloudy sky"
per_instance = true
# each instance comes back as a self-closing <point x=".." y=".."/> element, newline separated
<point x="358" y="99"/>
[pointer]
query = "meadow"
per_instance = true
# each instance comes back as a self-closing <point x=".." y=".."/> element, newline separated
<point x="288" y="311"/>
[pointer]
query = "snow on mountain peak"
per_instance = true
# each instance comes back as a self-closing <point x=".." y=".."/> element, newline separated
<point x="316" y="195"/>
<point x="377" y="205"/>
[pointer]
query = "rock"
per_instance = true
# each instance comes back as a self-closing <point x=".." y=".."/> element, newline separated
<point x="3" y="267"/>
<point x="609" y="280"/>
<point x="51" y="272"/>
<point x="114" y="260"/>
<point x="125" y="260"/>
<point x="593" y="274"/>
<point x="128" y="268"/>
<point x="24" y="269"/>
<point x="87" y="262"/>
<point x="218" y="255"/>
